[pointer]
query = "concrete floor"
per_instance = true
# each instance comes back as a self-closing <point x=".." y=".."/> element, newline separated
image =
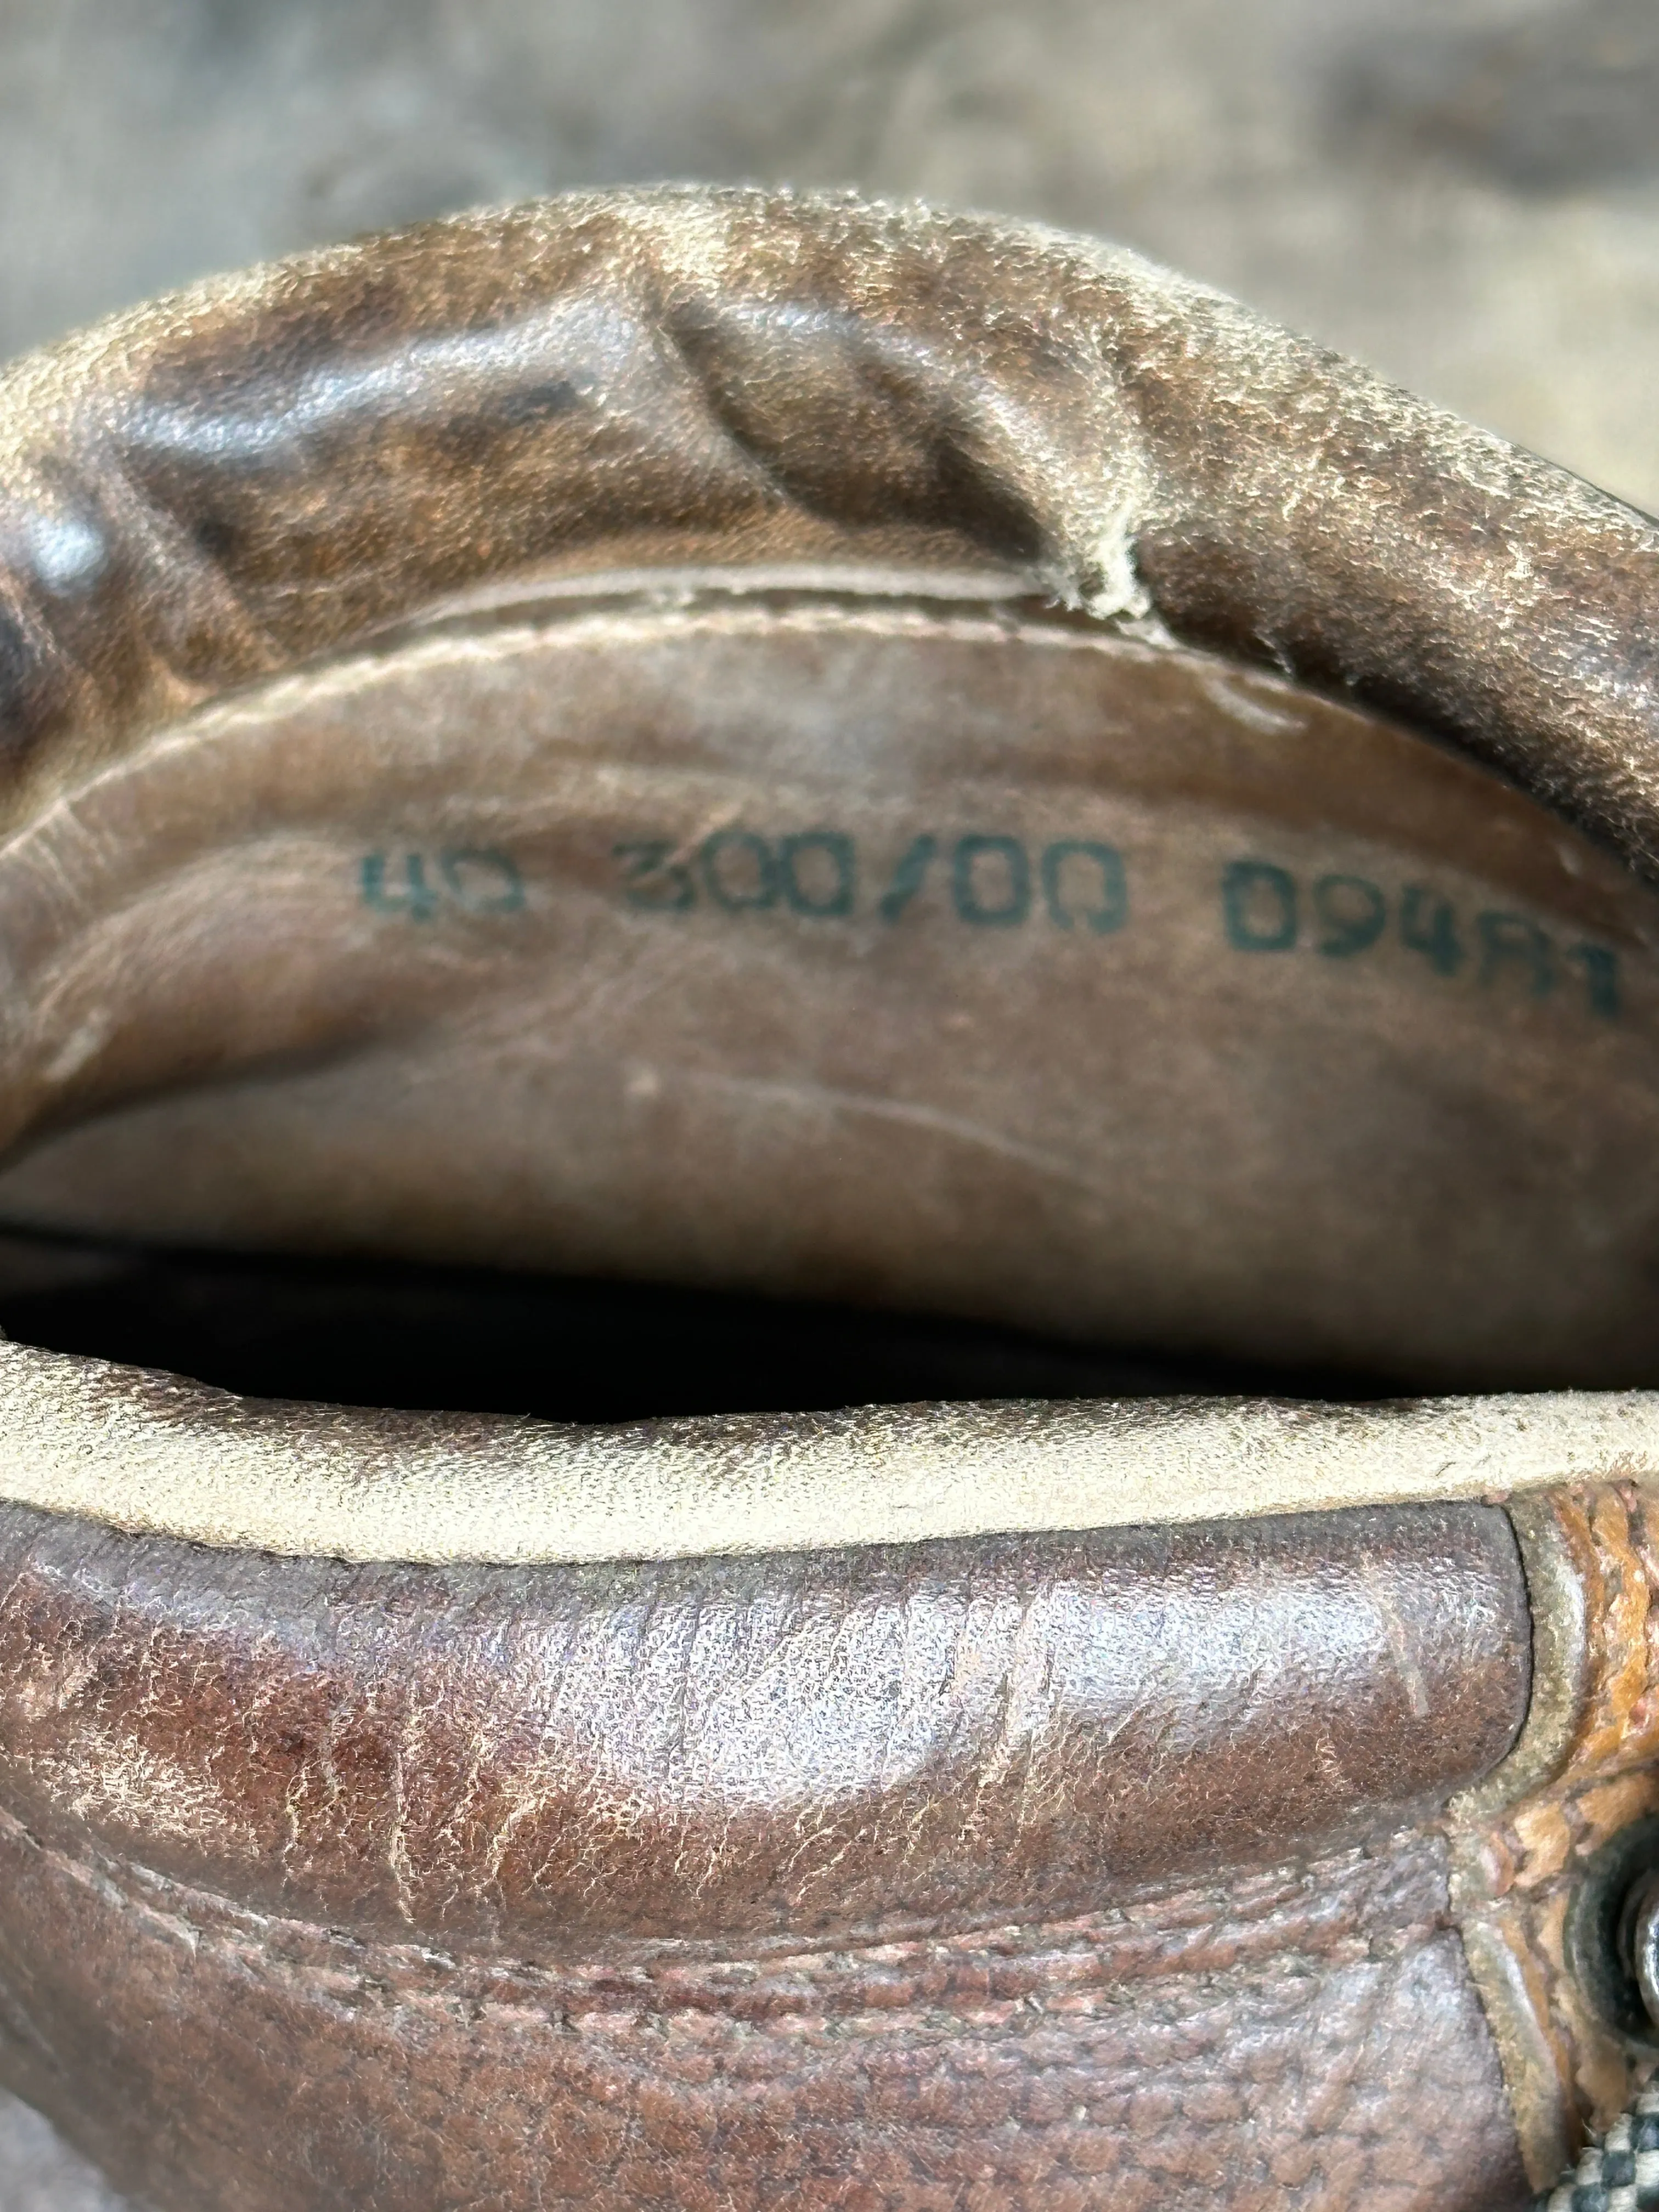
<point x="1464" y="192"/>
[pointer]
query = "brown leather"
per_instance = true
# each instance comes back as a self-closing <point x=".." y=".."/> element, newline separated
<point x="244" y="475"/>
<point x="837" y="1743"/>
<point x="389" y="635"/>
<point x="219" y="1036"/>
<point x="308" y="575"/>
<point x="1583" y="1785"/>
<point x="854" y="1874"/>
<point x="1309" y="2037"/>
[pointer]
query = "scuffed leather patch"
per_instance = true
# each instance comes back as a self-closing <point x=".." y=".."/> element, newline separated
<point x="831" y="1744"/>
<point x="1302" y="2039"/>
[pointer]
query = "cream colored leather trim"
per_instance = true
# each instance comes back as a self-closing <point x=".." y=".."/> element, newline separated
<point x="156" y="1456"/>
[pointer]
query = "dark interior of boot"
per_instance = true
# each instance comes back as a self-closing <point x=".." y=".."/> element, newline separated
<point x="475" y="1340"/>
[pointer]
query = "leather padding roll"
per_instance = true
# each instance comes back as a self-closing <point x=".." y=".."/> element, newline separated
<point x="772" y="743"/>
<point x="216" y="487"/>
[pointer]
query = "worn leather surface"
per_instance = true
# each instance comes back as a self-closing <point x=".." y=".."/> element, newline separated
<point x="1582" y="1786"/>
<point x="1309" y="2040"/>
<point x="301" y="578"/>
<point x="885" y="1738"/>
<point x="1090" y="1862"/>
<point x="225" y="482"/>
<point x="757" y="933"/>
<point x="1027" y="1870"/>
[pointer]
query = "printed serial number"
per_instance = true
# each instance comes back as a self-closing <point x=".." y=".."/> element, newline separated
<point x="1265" y="908"/>
<point x="992" y="882"/>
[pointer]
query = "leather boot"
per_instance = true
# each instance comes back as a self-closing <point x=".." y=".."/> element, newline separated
<point x="830" y="753"/>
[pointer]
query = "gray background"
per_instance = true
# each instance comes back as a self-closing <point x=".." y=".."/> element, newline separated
<point x="1464" y="192"/>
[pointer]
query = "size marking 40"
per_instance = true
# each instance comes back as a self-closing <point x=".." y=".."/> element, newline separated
<point x="470" y="878"/>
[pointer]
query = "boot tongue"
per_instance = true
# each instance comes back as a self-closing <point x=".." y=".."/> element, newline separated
<point x="795" y="933"/>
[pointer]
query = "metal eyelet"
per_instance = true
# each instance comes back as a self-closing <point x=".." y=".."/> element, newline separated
<point x="1612" y="1934"/>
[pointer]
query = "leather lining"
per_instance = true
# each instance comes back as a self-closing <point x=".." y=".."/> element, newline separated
<point x="154" y="1455"/>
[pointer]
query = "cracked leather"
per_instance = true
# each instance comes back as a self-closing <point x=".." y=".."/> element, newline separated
<point x="1051" y="1870"/>
<point x="1080" y="1870"/>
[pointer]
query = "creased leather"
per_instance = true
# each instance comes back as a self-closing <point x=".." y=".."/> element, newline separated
<point x="868" y="1877"/>
<point x="1056" y="1869"/>
<point x="1310" y="2038"/>
<point x="222" y="484"/>
<point x="886" y="1737"/>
